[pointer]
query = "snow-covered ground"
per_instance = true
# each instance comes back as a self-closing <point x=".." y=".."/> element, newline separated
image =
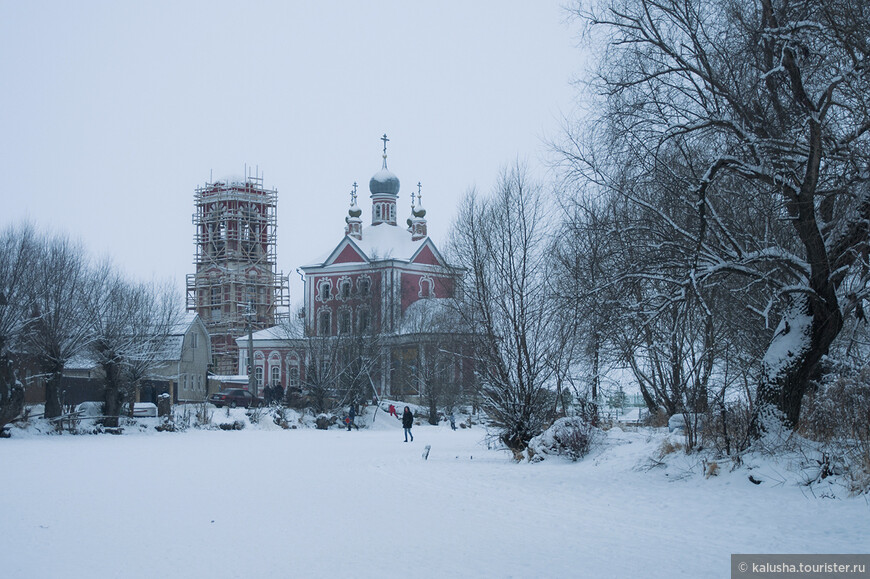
<point x="311" y="503"/>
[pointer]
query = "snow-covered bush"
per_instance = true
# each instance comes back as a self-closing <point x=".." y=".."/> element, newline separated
<point x="324" y="421"/>
<point x="728" y="429"/>
<point x="571" y="437"/>
<point x="255" y="413"/>
<point x="837" y="415"/>
<point x="204" y="413"/>
<point x="280" y="416"/>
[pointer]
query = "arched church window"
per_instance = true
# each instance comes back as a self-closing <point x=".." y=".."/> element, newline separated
<point x="292" y="370"/>
<point x="363" y="319"/>
<point x="426" y="288"/>
<point x="324" y="323"/>
<point x="365" y="286"/>
<point x="325" y="290"/>
<point x="293" y="374"/>
<point x="276" y="375"/>
<point x="344" y="322"/>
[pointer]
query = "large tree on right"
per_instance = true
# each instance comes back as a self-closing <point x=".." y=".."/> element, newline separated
<point x="741" y="128"/>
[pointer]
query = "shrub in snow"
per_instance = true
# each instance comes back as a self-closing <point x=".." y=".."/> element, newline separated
<point x="837" y="415"/>
<point x="324" y="421"/>
<point x="571" y="437"/>
<point x="669" y="447"/>
<point x="712" y="469"/>
<point x="255" y="413"/>
<point x="281" y="416"/>
<point x="656" y="419"/>
<point x="727" y="427"/>
<point x="203" y="414"/>
<point x="167" y="425"/>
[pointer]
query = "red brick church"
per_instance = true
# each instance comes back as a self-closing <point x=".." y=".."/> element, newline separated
<point x="378" y="309"/>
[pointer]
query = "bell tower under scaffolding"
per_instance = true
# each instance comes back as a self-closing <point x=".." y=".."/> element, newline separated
<point x="236" y="282"/>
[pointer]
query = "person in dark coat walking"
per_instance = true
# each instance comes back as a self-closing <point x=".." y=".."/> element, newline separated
<point x="407" y="423"/>
<point x="351" y="414"/>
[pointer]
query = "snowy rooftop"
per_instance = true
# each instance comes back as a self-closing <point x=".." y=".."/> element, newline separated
<point x="183" y="323"/>
<point x="173" y="346"/>
<point x="170" y="350"/>
<point x="379" y="242"/>
<point x="273" y="333"/>
<point x="386" y="241"/>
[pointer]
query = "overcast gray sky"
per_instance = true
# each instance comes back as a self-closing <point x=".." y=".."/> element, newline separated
<point x="113" y="112"/>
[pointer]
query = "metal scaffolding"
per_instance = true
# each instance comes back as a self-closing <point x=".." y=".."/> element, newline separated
<point x="236" y="282"/>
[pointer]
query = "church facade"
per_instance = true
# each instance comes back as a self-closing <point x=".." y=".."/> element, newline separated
<point x="378" y="310"/>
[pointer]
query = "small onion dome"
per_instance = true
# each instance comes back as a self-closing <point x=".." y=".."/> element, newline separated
<point x="384" y="183"/>
<point x="409" y="222"/>
<point x="354" y="211"/>
<point x="419" y="212"/>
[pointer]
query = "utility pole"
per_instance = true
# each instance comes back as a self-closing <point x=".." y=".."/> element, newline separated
<point x="252" y="378"/>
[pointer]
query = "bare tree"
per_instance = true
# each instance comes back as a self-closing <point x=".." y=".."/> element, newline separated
<point x="501" y="241"/>
<point x="441" y="346"/>
<point x="753" y="115"/>
<point x="57" y="327"/>
<point x="129" y="324"/>
<point x="157" y="316"/>
<point x="18" y="250"/>
<point x="338" y="368"/>
<point x="584" y="261"/>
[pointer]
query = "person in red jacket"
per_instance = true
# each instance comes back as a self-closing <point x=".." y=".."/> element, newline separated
<point x="393" y="411"/>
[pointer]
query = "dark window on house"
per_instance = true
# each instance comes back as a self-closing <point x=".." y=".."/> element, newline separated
<point x="426" y="288"/>
<point x="363" y="318"/>
<point x="324" y="323"/>
<point x="345" y="289"/>
<point x="365" y="286"/>
<point x="344" y="322"/>
<point x="325" y="289"/>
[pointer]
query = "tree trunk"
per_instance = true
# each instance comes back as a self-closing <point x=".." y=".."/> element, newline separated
<point x="11" y="392"/>
<point x="53" y="390"/>
<point x="803" y="337"/>
<point x="113" y="394"/>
